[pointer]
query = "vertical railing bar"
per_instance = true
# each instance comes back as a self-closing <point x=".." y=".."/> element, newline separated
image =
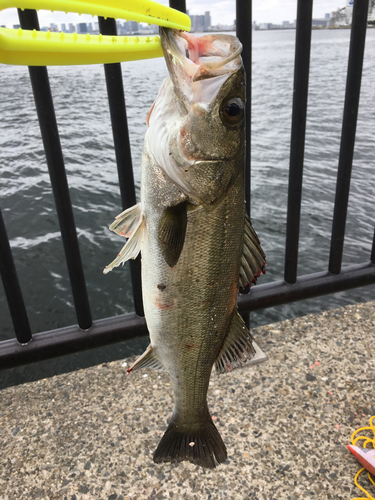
<point x="51" y="141"/>
<point x="12" y="288"/>
<point x="373" y="250"/>
<point x="297" y="145"/>
<point x="349" y="124"/>
<point x="178" y="5"/>
<point x="244" y="34"/>
<point x="117" y="109"/>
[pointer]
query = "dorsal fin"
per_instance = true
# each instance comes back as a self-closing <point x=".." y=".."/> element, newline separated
<point x="253" y="261"/>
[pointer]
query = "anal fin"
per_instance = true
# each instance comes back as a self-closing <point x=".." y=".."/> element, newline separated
<point x="147" y="360"/>
<point x="238" y="347"/>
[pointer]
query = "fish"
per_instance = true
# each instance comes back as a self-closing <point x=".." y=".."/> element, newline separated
<point x="196" y="241"/>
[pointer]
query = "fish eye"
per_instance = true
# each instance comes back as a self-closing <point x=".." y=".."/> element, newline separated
<point x="232" y="112"/>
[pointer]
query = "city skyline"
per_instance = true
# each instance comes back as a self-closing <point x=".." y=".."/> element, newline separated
<point x="222" y="12"/>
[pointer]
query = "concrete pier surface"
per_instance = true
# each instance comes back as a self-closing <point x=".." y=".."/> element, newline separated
<point x="91" y="434"/>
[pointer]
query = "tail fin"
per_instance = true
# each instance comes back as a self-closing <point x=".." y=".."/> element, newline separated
<point x="199" y="447"/>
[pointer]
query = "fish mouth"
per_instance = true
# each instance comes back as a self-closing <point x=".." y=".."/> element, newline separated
<point x="198" y="66"/>
<point x="206" y="57"/>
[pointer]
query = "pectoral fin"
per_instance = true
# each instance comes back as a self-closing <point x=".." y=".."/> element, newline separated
<point x="127" y="222"/>
<point x="253" y="261"/>
<point x="171" y="232"/>
<point x="133" y="246"/>
<point x="238" y="348"/>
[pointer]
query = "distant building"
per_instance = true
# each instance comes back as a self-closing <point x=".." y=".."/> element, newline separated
<point x="89" y="28"/>
<point x="289" y="25"/>
<point x="201" y="22"/>
<point x="349" y="11"/>
<point x="207" y="20"/>
<point x="72" y="28"/>
<point x="131" y="27"/>
<point x="81" y="28"/>
<point x="320" y="23"/>
<point x="371" y="11"/>
<point x="16" y="26"/>
<point x="63" y="28"/>
<point x="338" y="18"/>
<point x="120" y="28"/>
<point x="271" y="26"/>
<point x="53" y="27"/>
<point x="148" y="29"/>
<point x="197" y="23"/>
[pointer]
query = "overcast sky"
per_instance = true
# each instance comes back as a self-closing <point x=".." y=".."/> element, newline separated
<point x="222" y="11"/>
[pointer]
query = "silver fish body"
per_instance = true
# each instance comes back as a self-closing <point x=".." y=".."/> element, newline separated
<point x="196" y="244"/>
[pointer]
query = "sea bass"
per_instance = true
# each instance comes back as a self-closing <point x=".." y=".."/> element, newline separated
<point x="196" y="243"/>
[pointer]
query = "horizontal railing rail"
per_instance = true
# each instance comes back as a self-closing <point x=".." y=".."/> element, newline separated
<point x="106" y="331"/>
<point x="87" y="334"/>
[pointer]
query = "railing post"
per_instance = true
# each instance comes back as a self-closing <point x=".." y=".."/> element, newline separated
<point x="12" y="288"/>
<point x="178" y="5"/>
<point x="349" y="125"/>
<point x="117" y="108"/>
<point x="244" y="34"/>
<point x="297" y="144"/>
<point x="55" y="161"/>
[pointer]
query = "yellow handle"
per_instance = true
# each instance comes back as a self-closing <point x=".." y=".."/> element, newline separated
<point x="40" y="48"/>
<point x="142" y="11"/>
<point x="37" y="48"/>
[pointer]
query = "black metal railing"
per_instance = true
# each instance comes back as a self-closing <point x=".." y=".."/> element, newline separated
<point x="89" y="334"/>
